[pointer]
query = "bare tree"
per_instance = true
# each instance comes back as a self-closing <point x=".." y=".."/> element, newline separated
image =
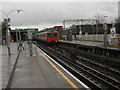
<point x="117" y="20"/>
<point x="100" y="18"/>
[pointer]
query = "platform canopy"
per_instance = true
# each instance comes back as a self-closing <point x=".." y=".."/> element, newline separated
<point x="34" y="32"/>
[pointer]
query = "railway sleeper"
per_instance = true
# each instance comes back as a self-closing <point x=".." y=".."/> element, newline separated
<point x="69" y="66"/>
<point x="100" y="77"/>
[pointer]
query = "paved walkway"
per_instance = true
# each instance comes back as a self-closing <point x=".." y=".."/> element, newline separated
<point x="8" y="62"/>
<point x="34" y="71"/>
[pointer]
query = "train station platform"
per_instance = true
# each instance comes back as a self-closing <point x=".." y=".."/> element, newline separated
<point x="91" y="43"/>
<point x="37" y="71"/>
<point x="95" y="48"/>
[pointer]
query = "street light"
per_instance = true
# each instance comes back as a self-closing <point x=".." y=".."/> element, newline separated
<point x="7" y="20"/>
<point x="7" y="14"/>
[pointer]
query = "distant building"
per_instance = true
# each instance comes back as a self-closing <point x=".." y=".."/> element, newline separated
<point x="58" y="27"/>
<point x="23" y="33"/>
<point x="60" y="30"/>
<point x="91" y="29"/>
<point x="33" y="29"/>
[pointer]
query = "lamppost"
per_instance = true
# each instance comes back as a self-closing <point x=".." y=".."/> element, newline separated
<point x="7" y="20"/>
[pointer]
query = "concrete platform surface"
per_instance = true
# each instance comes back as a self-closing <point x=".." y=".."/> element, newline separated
<point x="36" y="71"/>
<point x="91" y="43"/>
<point x="8" y="62"/>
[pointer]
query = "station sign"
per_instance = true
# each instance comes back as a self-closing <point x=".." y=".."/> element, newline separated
<point x="113" y="32"/>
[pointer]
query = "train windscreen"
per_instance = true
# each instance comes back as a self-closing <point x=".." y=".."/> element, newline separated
<point x="55" y="34"/>
<point x="49" y="35"/>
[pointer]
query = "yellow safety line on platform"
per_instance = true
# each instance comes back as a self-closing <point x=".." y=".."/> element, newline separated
<point x="63" y="75"/>
<point x="41" y="54"/>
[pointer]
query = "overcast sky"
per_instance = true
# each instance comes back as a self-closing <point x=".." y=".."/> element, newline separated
<point x="47" y="14"/>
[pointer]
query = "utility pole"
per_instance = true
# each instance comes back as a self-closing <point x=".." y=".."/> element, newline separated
<point x="105" y="41"/>
<point x="7" y="35"/>
<point x="93" y="30"/>
<point x="96" y="29"/>
<point x="80" y="32"/>
<point x="17" y="36"/>
<point x="7" y="20"/>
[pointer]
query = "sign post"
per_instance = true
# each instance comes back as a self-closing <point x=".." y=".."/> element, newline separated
<point x="113" y="36"/>
<point x="113" y="32"/>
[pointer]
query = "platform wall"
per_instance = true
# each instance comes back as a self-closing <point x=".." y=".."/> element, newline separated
<point x="98" y="37"/>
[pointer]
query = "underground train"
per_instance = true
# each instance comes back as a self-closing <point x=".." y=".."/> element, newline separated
<point x="50" y="37"/>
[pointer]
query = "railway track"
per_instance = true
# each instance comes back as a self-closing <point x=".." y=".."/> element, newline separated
<point x="101" y="68"/>
<point x="95" y="75"/>
<point x="107" y="62"/>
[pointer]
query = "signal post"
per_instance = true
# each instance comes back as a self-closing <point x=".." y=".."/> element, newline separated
<point x="113" y="36"/>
